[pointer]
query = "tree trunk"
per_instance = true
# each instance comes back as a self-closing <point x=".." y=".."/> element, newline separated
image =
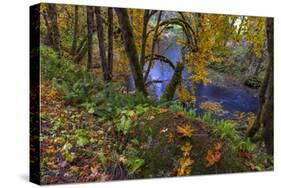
<point x="49" y="40"/>
<point x="265" y="115"/>
<point x="130" y="47"/>
<point x="55" y="33"/>
<point x="101" y="43"/>
<point x="90" y="26"/>
<point x="155" y="38"/>
<point x="144" y="37"/>
<point x="75" y="32"/>
<point x="173" y="84"/>
<point x="81" y="51"/>
<point x="110" y="43"/>
<point x="262" y="97"/>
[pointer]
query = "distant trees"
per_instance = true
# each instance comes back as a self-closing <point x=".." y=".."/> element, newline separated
<point x="90" y="27"/>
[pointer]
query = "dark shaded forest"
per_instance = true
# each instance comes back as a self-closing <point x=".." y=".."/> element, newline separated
<point x="130" y="93"/>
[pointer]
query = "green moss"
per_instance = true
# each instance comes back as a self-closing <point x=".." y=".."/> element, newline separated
<point x="162" y="156"/>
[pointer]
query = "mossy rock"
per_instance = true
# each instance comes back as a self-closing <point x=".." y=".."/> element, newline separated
<point x="161" y="148"/>
<point x="253" y="82"/>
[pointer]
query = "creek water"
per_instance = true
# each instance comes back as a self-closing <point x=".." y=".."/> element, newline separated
<point x="233" y="99"/>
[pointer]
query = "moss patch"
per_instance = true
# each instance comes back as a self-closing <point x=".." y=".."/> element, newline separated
<point x="161" y="147"/>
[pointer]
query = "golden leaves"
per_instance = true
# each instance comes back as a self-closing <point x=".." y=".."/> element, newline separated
<point x="214" y="156"/>
<point x="217" y="146"/>
<point x="211" y="106"/>
<point x="51" y="94"/>
<point x="50" y="149"/>
<point x="185" y="96"/>
<point x="185" y="167"/>
<point x="185" y="162"/>
<point x="186" y="149"/>
<point x="185" y="130"/>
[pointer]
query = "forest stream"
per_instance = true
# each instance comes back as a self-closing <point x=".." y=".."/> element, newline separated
<point x="232" y="98"/>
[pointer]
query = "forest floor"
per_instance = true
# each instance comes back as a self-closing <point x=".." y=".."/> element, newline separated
<point x="96" y="131"/>
<point x="77" y="146"/>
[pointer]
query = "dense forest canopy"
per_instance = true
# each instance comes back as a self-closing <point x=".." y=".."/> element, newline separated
<point x="100" y="64"/>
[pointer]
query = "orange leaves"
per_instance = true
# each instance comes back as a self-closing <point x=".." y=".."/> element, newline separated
<point x="50" y="149"/>
<point x="185" y="167"/>
<point x="186" y="149"/>
<point x="211" y="106"/>
<point x="185" y="130"/>
<point x="185" y="162"/>
<point x="51" y="94"/>
<point x="52" y="165"/>
<point x="214" y="156"/>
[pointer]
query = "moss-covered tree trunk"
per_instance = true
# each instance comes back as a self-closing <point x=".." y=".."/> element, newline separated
<point x="262" y="97"/>
<point x="90" y="26"/>
<point x="55" y="33"/>
<point x="75" y="31"/>
<point x="173" y="84"/>
<point x="131" y="49"/>
<point x="49" y="39"/>
<point x="265" y="115"/>
<point x="81" y="51"/>
<point x="144" y="36"/>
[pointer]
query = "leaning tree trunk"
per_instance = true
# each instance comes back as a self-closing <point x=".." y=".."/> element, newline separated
<point x="173" y="84"/>
<point x="55" y="33"/>
<point x="75" y="32"/>
<point x="90" y="26"/>
<point x="155" y="38"/>
<point x="110" y="43"/>
<point x="101" y="43"/>
<point x="130" y="46"/>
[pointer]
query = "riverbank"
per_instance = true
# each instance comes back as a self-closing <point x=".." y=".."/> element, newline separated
<point x="226" y="80"/>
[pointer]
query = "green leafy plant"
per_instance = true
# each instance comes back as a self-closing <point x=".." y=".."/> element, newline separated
<point x="124" y="124"/>
<point x="208" y="117"/>
<point x="191" y="113"/>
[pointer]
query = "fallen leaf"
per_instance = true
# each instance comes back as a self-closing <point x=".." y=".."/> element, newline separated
<point x="186" y="149"/>
<point x="212" y="157"/>
<point x="185" y="130"/>
<point x="217" y="146"/>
